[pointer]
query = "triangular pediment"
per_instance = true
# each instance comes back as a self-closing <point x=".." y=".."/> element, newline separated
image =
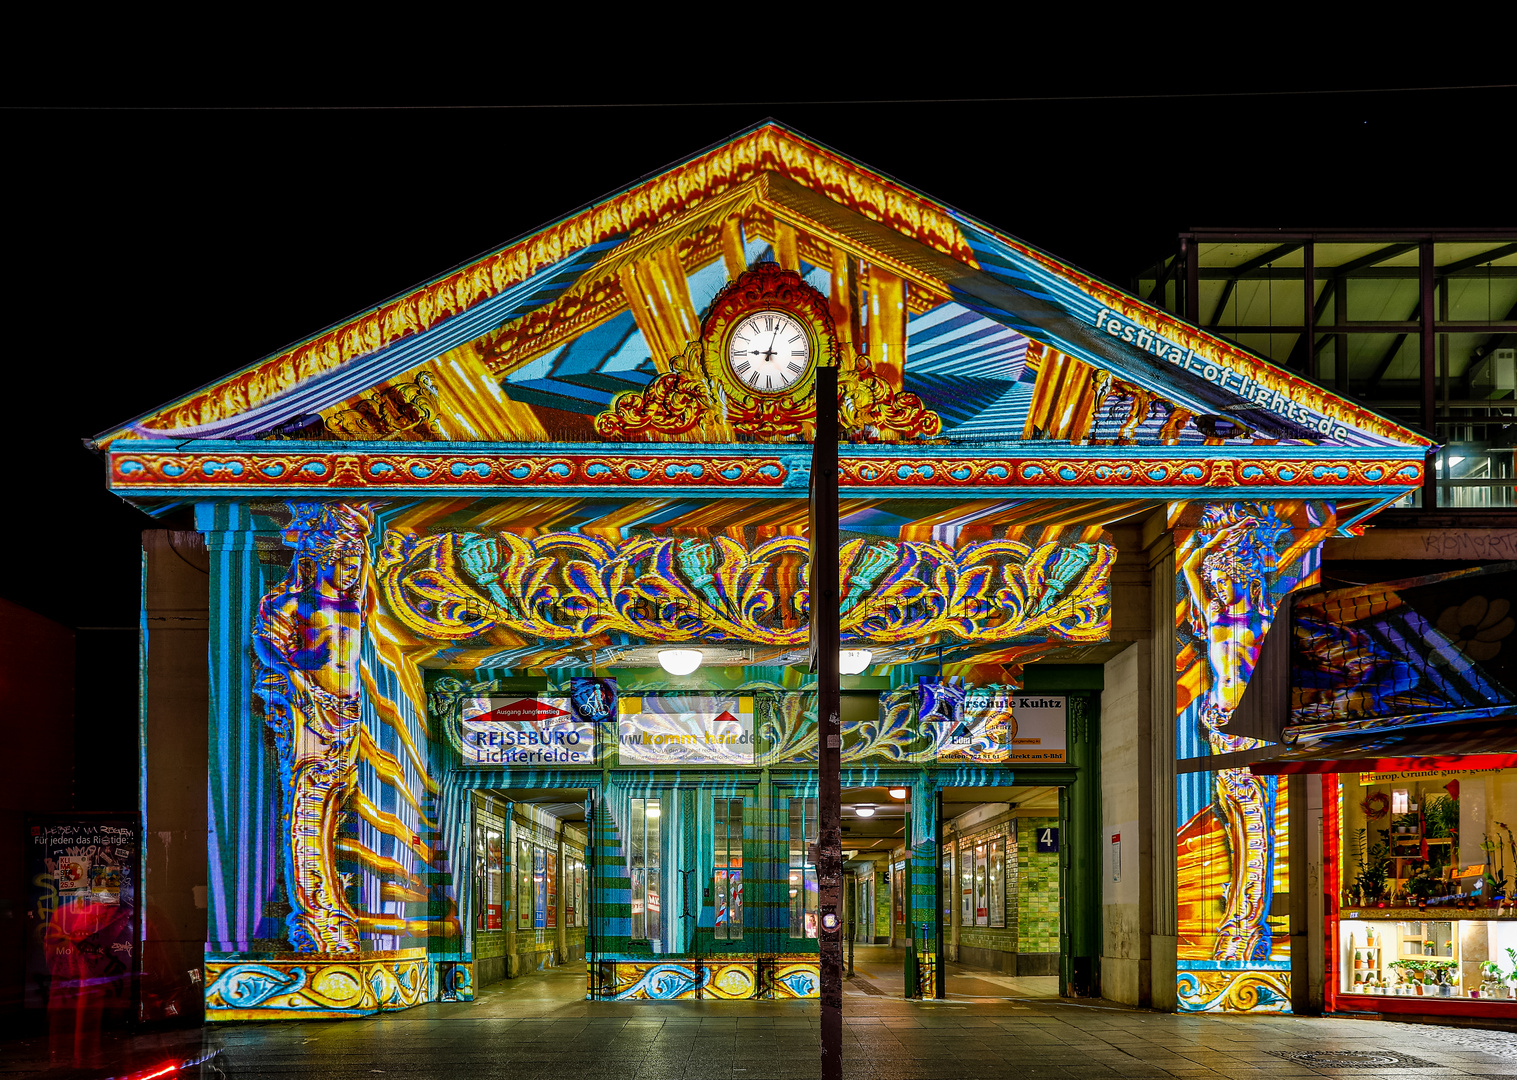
<point x="961" y="334"/>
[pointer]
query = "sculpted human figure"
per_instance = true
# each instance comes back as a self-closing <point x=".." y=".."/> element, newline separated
<point x="307" y="636"/>
<point x="1231" y="608"/>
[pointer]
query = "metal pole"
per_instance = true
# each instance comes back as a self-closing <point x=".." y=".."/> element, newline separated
<point x="940" y="980"/>
<point x="593" y="972"/>
<point x="825" y="640"/>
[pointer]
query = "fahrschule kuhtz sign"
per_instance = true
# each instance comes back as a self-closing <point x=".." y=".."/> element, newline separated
<point x="525" y="731"/>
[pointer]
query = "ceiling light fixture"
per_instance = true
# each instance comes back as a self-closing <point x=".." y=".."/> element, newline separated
<point x="898" y="793"/>
<point x="853" y="661"/>
<point x="679" y="661"/>
<point x="864" y="811"/>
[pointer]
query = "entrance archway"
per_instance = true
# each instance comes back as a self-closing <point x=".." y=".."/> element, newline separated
<point x="1001" y="891"/>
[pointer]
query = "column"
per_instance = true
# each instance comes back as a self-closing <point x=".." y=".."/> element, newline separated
<point x="1234" y="562"/>
<point x="562" y="938"/>
<point x="921" y="898"/>
<point x="242" y="845"/>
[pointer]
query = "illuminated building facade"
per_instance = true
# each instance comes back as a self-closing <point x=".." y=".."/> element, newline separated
<point x="434" y="533"/>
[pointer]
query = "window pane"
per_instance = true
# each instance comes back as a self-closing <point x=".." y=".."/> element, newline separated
<point x="966" y="888"/>
<point x="802" y="883"/>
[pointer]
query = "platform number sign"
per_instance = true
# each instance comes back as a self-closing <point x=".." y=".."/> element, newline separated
<point x="1048" y="841"/>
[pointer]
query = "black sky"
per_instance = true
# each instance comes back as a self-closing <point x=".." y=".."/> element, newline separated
<point x="152" y="251"/>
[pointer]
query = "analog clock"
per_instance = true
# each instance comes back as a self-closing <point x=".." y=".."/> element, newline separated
<point x="769" y="351"/>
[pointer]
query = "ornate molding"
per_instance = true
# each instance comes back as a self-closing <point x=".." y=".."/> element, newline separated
<point x="255" y="471"/>
<point x="1284" y="473"/>
<point x="570" y="586"/>
<point x="290" y="469"/>
<point x="284" y="986"/>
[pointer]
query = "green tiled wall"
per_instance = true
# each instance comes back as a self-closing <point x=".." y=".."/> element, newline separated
<point x="1037" y="890"/>
<point x="488" y="943"/>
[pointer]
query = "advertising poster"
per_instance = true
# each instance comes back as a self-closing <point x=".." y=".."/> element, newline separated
<point x="1005" y="728"/>
<point x="686" y="730"/>
<point x="524" y="731"/>
<point x="82" y="918"/>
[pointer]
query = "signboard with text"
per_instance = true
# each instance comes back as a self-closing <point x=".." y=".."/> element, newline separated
<point x="685" y="730"/>
<point x="524" y="731"/>
<point x="1005" y="728"/>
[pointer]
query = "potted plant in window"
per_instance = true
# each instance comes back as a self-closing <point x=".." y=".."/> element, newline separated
<point x="1406" y="975"/>
<point x="1369" y="881"/>
<point x="1422" y="884"/>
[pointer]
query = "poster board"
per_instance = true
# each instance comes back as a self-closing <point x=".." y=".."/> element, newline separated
<point x="83" y="910"/>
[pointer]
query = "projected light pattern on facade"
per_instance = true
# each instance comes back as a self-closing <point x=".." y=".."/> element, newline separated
<point x="1234" y="563"/>
<point x="1041" y="585"/>
<point x="307" y="637"/>
<point x="537" y="461"/>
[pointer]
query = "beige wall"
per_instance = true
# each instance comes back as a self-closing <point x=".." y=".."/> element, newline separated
<point x="175" y="749"/>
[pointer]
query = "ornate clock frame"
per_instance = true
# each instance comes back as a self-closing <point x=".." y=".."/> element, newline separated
<point x="768" y="287"/>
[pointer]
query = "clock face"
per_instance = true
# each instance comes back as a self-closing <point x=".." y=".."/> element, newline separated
<point x="769" y="351"/>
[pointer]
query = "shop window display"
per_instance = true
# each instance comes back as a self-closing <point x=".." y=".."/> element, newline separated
<point x="1424" y="866"/>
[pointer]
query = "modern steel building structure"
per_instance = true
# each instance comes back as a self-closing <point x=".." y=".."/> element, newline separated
<point x="1400" y="665"/>
<point x="435" y="530"/>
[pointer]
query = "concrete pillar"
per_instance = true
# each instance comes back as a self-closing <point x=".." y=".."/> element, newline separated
<point x="561" y="944"/>
<point x="1163" y="884"/>
<point x="955" y="896"/>
<point x="922" y="879"/>
<point x="176" y="624"/>
<point x="513" y="893"/>
<point x="1126" y="827"/>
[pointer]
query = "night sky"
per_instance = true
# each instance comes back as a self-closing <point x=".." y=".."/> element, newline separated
<point x="153" y="251"/>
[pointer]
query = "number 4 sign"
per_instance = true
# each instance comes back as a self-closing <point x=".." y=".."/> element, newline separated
<point x="1048" y="841"/>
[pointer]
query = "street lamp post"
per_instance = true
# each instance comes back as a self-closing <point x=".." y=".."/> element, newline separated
<point x="825" y="643"/>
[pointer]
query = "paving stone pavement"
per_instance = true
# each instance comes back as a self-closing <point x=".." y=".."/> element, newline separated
<point x="535" y="1028"/>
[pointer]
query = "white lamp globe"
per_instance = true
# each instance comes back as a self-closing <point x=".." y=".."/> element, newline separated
<point x="853" y="661"/>
<point x="864" y="811"/>
<point x="679" y="661"/>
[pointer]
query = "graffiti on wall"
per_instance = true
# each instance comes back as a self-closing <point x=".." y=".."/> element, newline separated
<point x="1234" y="563"/>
